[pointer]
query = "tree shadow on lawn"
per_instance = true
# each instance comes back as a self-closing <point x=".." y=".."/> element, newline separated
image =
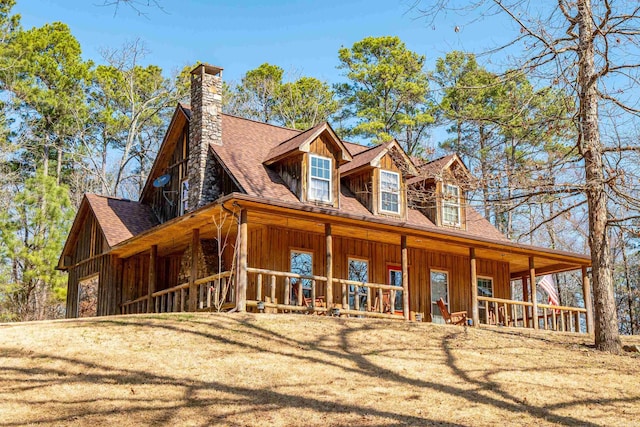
<point x="342" y="356"/>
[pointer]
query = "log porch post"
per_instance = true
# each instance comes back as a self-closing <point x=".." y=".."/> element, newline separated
<point x="193" y="294"/>
<point x="534" y="299"/>
<point x="153" y="257"/>
<point x="475" y="315"/>
<point x="329" y="265"/>
<point x="241" y="296"/>
<point x="405" y="278"/>
<point x="586" y="293"/>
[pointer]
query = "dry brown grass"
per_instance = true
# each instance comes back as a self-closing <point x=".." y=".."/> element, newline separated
<point x="305" y="370"/>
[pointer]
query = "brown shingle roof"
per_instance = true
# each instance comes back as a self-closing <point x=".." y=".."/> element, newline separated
<point x="247" y="144"/>
<point x="354" y="148"/>
<point x="292" y="143"/>
<point x="120" y="219"/>
<point x="363" y="158"/>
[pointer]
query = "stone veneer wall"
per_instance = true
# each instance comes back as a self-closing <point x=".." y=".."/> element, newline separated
<point x="205" y="128"/>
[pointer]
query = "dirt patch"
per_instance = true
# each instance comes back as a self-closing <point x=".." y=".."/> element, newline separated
<point x="201" y="369"/>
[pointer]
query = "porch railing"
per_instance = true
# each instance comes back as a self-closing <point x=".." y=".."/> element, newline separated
<point x="498" y="311"/>
<point x="300" y="293"/>
<point x="213" y="293"/>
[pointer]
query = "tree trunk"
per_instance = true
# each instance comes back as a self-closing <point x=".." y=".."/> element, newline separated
<point x="606" y="320"/>
<point x="627" y="280"/>
<point x="59" y="166"/>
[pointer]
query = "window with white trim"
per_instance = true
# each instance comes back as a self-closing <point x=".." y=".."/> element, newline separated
<point x="485" y="289"/>
<point x="320" y="179"/>
<point x="451" y="205"/>
<point x="439" y="289"/>
<point x="302" y="264"/>
<point x="389" y="191"/>
<point x="359" y="272"/>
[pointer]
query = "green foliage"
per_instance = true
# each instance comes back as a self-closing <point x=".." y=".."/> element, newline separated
<point x="43" y="69"/>
<point x="305" y="103"/>
<point x="32" y="234"/>
<point x="261" y="95"/>
<point x="387" y="93"/>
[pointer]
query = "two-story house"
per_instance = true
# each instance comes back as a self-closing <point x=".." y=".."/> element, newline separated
<point x="243" y="215"/>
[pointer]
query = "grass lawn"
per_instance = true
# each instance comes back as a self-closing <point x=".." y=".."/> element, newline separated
<point x="209" y="369"/>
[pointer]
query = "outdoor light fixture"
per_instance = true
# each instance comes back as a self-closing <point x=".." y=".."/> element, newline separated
<point x="260" y="306"/>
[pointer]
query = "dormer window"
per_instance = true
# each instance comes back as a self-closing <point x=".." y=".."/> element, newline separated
<point x="389" y="192"/>
<point x="320" y="179"/>
<point x="451" y="205"/>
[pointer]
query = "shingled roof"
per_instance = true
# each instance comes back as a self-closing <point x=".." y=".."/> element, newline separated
<point x="298" y="143"/>
<point x="246" y="144"/>
<point x="120" y="219"/>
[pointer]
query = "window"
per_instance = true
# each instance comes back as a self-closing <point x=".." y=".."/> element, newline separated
<point x="485" y="289"/>
<point x="395" y="279"/>
<point x="439" y="289"/>
<point x="184" y="196"/>
<point x="320" y="179"/>
<point x="451" y="205"/>
<point x="359" y="272"/>
<point x="302" y="264"/>
<point x="389" y="191"/>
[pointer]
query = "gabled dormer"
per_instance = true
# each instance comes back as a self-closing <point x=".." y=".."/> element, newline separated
<point x="309" y="164"/>
<point x="439" y="192"/>
<point x="378" y="176"/>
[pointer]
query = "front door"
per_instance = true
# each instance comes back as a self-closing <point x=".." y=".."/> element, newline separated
<point x="439" y="289"/>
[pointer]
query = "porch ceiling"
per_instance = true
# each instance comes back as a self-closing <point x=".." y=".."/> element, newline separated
<point x="518" y="258"/>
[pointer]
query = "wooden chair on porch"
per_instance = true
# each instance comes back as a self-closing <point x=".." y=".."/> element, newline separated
<point x="386" y="302"/>
<point x="457" y="318"/>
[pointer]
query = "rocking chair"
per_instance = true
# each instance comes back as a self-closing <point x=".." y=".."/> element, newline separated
<point x="457" y="318"/>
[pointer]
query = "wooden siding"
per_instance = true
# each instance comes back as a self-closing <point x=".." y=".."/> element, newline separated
<point x="177" y="168"/>
<point x="270" y="247"/>
<point x="290" y="170"/>
<point x="361" y="185"/>
<point x="87" y="260"/>
<point x="294" y="169"/>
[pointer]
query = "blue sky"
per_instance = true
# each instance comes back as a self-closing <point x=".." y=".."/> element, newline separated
<point x="302" y="36"/>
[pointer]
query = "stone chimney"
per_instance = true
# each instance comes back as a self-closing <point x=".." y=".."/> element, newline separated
<point x="205" y="128"/>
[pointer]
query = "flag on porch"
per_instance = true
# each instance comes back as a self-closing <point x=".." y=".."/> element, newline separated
<point x="547" y="283"/>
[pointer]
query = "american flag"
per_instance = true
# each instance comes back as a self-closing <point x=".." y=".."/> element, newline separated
<point x="546" y="283"/>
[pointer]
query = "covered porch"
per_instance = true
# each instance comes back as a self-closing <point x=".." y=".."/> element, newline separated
<point x="349" y="268"/>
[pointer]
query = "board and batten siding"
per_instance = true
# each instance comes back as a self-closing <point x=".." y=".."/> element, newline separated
<point x="270" y="248"/>
<point x="88" y="260"/>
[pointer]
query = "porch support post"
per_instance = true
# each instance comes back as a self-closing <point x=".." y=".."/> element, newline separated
<point x="588" y="305"/>
<point x="193" y="292"/>
<point x="329" y="265"/>
<point x="241" y="296"/>
<point x="534" y="300"/>
<point x="475" y="315"/>
<point x="153" y="260"/>
<point x="405" y="277"/>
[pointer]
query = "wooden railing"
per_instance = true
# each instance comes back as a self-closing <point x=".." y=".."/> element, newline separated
<point x="213" y="293"/>
<point x="292" y="298"/>
<point x="138" y="305"/>
<point x="498" y="311"/>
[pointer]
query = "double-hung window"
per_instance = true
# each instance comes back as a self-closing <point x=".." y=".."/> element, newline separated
<point x="451" y="205"/>
<point x="389" y="191"/>
<point x="320" y="179"/>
